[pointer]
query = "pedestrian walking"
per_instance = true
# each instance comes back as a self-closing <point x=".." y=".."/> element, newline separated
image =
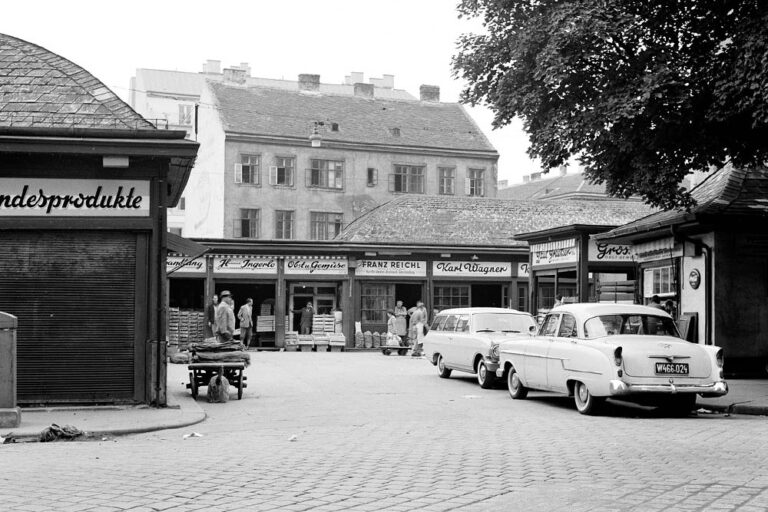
<point x="225" y="317"/>
<point x="245" y="315"/>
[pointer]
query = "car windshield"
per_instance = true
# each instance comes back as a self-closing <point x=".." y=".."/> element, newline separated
<point x="502" y="322"/>
<point x="642" y="325"/>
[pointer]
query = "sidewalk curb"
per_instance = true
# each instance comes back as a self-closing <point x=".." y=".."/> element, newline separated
<point x="752" y="410"/>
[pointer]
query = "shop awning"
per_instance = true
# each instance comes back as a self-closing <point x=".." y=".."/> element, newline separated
<point x="553" y="246"/>
<point x="181" y="245"/>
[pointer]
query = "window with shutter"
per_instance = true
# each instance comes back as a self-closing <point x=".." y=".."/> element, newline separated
<point x="238" y="173"/>
<point x="273" y="175"/>
<point x="467" y="187"/>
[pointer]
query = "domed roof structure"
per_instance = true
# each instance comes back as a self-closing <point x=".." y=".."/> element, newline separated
<point x="40" y="89"/>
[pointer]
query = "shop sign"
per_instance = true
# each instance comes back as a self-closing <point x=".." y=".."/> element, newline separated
<point x="554" y="256"/>
<point x="182" y="264"/>
<point x="663" y="249"/>
<point x="316" y="266"/>
<point x="694" y="279"/>
<point x="472" y="269"/>
<point x="253" y="265"/>
<point x="603" y="252"/>
<point x="524" y="269"/>
<point x="397" y="268"/>
<point x="40" y="197"/>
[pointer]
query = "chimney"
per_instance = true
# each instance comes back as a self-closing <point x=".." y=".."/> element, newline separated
<point x="212" y="66"/>
<point x="535" y="176"/>
<point x="354" y="78"/>
<point x="503" y="184"/>
<point x="245" y="67"/>
<point x="388" y="81"/>
<point x="429" y="93"/>
<point x="234" y="76"/>
<point x="364" y="90"/>
<point x="526" y="179"/>
<point x="309" y="82"/>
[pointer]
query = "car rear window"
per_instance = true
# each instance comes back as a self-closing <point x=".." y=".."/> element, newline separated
<point x="639" y="325"/>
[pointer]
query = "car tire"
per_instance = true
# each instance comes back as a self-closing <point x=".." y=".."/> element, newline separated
<point x="586" y="403"/>
<point x="515" y="386"/>
<point x="485" y="378"/>
<point x="442" y="371"/>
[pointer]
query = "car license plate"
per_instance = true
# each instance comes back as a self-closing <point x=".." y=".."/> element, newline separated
<point x="672" y="368"/>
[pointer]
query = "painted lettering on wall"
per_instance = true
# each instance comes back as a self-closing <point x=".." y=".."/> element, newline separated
<point x="73" y="198"/>
<point x="391" y="268"/>
<point x="244" y="265"/>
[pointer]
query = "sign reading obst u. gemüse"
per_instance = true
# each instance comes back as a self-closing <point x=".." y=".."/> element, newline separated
<point x="45" y="197"/>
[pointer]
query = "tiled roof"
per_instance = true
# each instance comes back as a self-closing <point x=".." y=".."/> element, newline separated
<point x="727" y="191"/>
<point x="276" y="112"/>
<point x="191" y="84"/>
<point x="551" y="188"/>
<point x="468" y="221"/>
<point x="39" y="89"/>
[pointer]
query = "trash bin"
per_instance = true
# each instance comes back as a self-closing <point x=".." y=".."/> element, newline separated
<point x="10" y="414"/>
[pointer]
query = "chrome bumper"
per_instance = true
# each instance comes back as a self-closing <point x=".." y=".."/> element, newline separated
<point x="618" y="387"/>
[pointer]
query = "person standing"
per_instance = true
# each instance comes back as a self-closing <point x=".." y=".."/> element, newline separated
<point x="210" y="317"/>
<point x="401" y="322"/>
<point x="245" y="315"/>
<point x="656" y="302"/>
<point x="307" y="313"/>
<point x="418" y="321"/>
<point x="225" y="318"/>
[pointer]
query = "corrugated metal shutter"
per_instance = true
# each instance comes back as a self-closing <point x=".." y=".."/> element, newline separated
<point x="74" y="295"/>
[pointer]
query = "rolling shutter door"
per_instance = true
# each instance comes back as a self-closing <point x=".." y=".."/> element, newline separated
<point x="74" y="295"/>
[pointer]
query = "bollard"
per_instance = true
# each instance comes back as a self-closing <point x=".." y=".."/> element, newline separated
<point x="10" y="414"/>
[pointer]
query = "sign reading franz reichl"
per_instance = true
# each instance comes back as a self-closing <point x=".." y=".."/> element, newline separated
<point x="41" y="197"/>
<point x="398" y="268"/>
<point x="182" y="264"/>
<point x="252" y="265"/>
<point x="472" y="269"/>
<point x="316" y="266"/>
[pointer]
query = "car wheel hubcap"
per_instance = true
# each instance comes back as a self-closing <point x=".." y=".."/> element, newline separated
<point x="481" y="371"/>
<point x="440" y="365"/>
<point x="515" y="381"/>
<point x="583" y="394"/>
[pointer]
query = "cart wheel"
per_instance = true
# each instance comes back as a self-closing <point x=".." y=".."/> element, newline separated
<point x="240" y="386"/>
<point x="386" y="351"/>
<point x="402" y="351"/>
<point x="193" y="384"/>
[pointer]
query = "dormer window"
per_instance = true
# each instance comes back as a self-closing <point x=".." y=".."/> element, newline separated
<point x="395" y="132"/>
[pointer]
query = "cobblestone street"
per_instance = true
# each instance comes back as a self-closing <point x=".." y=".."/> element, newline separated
<point x="385" y="433"/>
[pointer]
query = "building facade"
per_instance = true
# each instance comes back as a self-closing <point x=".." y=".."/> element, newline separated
<point x="84" y="185"/>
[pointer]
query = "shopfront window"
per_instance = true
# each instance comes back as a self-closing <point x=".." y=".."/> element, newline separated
<point x="451" y="297"/>
<point x="376" y="300"/>
<point x="659" y="281"/>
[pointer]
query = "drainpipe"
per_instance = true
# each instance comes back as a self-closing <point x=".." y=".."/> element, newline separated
<point x="708" y="275"/>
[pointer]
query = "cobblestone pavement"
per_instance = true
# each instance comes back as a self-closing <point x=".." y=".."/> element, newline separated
<point x="385" y="433"/>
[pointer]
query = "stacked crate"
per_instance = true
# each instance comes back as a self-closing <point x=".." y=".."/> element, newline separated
<point x="291" y="340"/>
<point x="337" y="342"/>
<point x="265" y="323"/>
<point x="322" y="324"/>
<point x="185" y="326"/>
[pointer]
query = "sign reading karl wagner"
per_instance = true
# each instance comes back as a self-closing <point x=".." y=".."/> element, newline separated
<point x="44" y="197"/>
<point x="472" y="268"/>
<point x="391" y="268"/>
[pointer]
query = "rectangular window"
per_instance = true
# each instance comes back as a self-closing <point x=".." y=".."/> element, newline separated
<point x="247" y="226"/>
<point x="326" y="174"/>
<point x="248" y="170"/>
<point x="447" y="297"/>
<point x="408" y="179"/>
<point x="284" y="224"/>
<point x="183" y="203"/>
<point x="175" y="231"/>
<point x="282" y="172"/>
<point x="446" y="181"/>
<point x="476" y="182"/>
<point x="376" y="299"/>
<point x="659" y="281"/>
<point x="373" y="177"/>
<point x="325" y="226"/>
<point x="185" y="115"/>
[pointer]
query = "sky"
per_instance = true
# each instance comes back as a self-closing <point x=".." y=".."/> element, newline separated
<point x="413" y="40"/>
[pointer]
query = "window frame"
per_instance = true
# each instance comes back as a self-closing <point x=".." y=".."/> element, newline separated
<point x="443" y="180"/>
<point x="476" y="184"/>
<point x="318" y="175"/>
<point x="280" y="235"/>
<point x="186" y="112"/>
<point x="327" y="223"/>
<point x="372" y="177"/>
<point x="289" y="177"/>
<point x="254" y="224"/>
<point x="404" y="177"/>
<point x="254" y="169"/>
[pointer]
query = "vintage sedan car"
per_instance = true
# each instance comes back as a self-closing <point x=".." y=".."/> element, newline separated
<point x="627" y="352"/>
<point x="467" y="339"/>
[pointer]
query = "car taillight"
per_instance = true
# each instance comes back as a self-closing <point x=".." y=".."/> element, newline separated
<point x="719" y="358"/>
<point x="617" y="356"/>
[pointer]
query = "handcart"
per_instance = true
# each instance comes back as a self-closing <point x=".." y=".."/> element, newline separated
<point x="200" y="374"/>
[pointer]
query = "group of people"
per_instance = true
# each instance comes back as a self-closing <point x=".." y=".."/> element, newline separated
<point x="220" y="318"/>
<point x="398" y="325"/>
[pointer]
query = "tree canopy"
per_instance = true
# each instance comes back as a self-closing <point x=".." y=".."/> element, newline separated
<point x="641" y="91"/>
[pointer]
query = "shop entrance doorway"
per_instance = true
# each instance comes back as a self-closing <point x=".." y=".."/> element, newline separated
<point x="486" y="296"/>
<point x="409" y="294"/>
<point x="263" y="295"/>
<point x="186" y="293"/>
<point x="322" y="296"/>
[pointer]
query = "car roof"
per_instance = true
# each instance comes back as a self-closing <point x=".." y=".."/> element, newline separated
<point x="470" y="311"/>
<point x="590" y="309"/>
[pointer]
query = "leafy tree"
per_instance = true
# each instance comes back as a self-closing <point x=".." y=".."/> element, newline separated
<point x="641" y="91"/>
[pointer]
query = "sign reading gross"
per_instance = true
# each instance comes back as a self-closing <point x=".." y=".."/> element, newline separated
<point x="40" y="197"/>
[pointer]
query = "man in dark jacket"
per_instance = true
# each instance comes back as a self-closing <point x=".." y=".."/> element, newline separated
<point x="210" y="317"/>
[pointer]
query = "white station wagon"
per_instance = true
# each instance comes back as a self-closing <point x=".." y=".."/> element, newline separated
<point x="596" y="351"/>
<point x="467" y="339"/>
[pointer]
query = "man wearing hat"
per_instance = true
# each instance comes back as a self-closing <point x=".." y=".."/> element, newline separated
<point x="225" y="317"/>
